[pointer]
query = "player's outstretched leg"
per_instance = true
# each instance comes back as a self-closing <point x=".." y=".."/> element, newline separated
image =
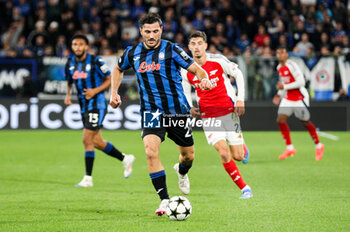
<point x="110" y="150"/>
<point x="285" y="131"/>
<point x="313" y="133"/>
<point x="231" y="167"/>
<point x="156" y="171"/>
<point x="185" y="163"/>
<point x="246" y="154"/>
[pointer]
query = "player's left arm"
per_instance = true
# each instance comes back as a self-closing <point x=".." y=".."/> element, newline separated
<point x="240" y="107"/>
<point x="103" y="71"/>
<point x="232" y="69"/>
<point x="90" y="93"/>
<point x="298" y="76"/>
<point x="186" y="62"/>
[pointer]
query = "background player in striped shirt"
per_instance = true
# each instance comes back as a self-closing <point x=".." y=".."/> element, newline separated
<point x="91" y="77"/>
<point x="220" y="103"/>
<point x="157" y="63"/>
<point x="295" y="101"/>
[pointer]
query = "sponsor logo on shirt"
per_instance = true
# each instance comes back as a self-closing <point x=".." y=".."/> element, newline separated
<point x="144" y="66"/>
<point x="79" y="75"/>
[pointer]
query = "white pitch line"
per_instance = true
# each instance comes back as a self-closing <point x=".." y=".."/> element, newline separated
<point x="328" y="135"/>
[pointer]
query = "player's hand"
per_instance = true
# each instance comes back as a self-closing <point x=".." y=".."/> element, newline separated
<point x="67" y="101"/>
<point x="239" y="109"/>
<point x="194" y="112"/>
<point x="279" y="86"/>
<point x="115" y="100"/>
<point x="276" y="99"/>
<point x="205" y="84"/>
<point x="89" y="93"/>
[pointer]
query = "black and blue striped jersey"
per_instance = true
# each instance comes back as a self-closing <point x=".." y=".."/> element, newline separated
<point x="86" y="74"/>
<point x="158" y="76"/>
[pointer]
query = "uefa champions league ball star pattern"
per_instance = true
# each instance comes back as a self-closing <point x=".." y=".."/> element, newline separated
<point x="179" y="208"/>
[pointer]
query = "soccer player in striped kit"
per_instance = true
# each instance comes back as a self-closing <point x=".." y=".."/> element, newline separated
<point x="91" y="78"/>
<point x="157" y="63"/>
<point x="295" y="101"/>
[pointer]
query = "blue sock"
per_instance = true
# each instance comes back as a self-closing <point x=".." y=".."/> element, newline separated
<point x="159" y="183"/>
<point x="89" y="162"/>
<point x="183" y="169"/>
<point x="114" y="152"/>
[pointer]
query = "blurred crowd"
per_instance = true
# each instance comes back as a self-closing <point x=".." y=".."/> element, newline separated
<point x="309" y="28"/>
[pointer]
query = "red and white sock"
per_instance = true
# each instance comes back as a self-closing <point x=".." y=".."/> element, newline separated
<point x="232" y="169"/>
<point x="284" y="128"/>
<point x="312" y="131"/>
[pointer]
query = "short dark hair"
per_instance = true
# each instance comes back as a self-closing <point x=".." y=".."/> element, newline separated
<point x="80" y="36"/>
<point x="198" y="34"/>
<point x="150" y="18"/>
<point x="282" y="46"/>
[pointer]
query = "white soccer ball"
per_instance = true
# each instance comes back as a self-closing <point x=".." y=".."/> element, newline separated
<point x="179" y="208"/>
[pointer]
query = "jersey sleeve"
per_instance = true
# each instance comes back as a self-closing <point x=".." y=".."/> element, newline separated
<point x="297" y="74"/>
<point x="181" y="57"/>
<point x="231" y="68"/>
<point x="123" y="61"/>
<point x="102" y="68"/>
<point x="186" y="86"/>
<point x="67" y="72"/>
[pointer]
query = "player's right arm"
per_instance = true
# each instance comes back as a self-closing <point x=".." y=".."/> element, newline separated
<point x="277" y="98"/>
<point x="67" y="99"/>
<point x="187" y="90"/>
<point x="117" y="77"/>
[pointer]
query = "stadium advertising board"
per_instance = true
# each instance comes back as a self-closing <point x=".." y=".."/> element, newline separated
<point x="44" y="114"/>
<point x="53" y="114"/>
<point x="14" y="74"/>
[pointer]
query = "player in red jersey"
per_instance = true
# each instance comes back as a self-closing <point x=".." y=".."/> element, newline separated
<point x="295" y="101"/>
<point x="218" y="103"/>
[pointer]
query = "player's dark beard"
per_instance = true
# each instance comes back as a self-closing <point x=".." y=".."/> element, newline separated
<point x="81" y="55"/>
<point x="157" y="42"/>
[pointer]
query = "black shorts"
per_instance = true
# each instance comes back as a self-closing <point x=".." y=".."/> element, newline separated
<point x="92" y="120"/>
<point x="181" y="135"/>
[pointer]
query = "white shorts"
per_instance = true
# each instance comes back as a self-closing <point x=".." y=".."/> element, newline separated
<point x="230" y="130"/>
<point x="299" y="108"/>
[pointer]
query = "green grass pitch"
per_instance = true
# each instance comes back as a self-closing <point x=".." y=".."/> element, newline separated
<point x="38" y="171"/>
